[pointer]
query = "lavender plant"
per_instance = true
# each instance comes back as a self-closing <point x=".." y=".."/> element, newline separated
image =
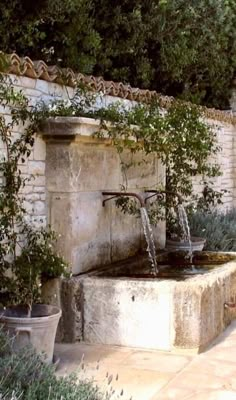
<point x="25" y="376"/>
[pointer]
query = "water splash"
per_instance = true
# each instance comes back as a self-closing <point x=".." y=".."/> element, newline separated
<point x="148" y="233"/>
<point x="184" y="224"/>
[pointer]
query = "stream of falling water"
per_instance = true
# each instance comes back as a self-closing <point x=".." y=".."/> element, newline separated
<point x="151" y="249"/>
<point x="183" y="221"/>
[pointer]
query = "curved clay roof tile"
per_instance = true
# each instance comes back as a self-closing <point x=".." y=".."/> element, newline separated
<point x="55" y="73"/>
<point x="42" y="71"/>
<point x="98" y="83"/>
<point x="101" y="87"/>
<point x="67" y="77"/>
<point x="128" y="93"/>
<point x="24" y="66"/>
<point x="80" y="78"/>
<point x="91" y="82"/>
<point x="14" y="64"/>
<point x="115" y="89"/>
<point x="27" y="66"/>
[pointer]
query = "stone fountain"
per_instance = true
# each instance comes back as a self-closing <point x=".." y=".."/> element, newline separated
<point x="112" y="297"/>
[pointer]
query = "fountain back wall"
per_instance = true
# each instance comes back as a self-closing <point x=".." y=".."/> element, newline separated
<point x="78" y="168"/>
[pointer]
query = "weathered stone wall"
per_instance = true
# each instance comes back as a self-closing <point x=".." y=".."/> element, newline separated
<point x="69" y="195"/>
<point x="78" y="168"/>
<point x="227" y="161"/>
<point x="226" y="158"/>
<point x="35" y="189"/>
<point x="46" y="197"/>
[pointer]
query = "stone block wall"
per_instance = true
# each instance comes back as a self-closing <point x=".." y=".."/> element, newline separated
<point x="35" y="190"/>
<point x="47" y="199"/>
<point x="78" y="168"/>
<point x="227" y="161"/>
<point x="226" y="158"/>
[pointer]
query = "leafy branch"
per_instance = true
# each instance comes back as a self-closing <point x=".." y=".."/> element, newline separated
<point x="27" y="255"/>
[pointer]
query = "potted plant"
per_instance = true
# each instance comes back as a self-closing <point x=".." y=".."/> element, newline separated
<point x="24" y="315"/>
<point x="27" y="255"/>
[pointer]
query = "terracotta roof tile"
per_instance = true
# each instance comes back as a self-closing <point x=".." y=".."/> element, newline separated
<point x="24" y="66"/>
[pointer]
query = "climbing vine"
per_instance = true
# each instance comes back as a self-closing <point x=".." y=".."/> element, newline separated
<point x="179" y="137"/>
<point x="27" y="255"/>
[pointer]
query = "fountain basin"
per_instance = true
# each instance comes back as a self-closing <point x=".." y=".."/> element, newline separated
<point x="124" y="305"/>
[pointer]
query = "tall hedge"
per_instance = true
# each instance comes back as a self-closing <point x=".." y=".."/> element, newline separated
<point x="178" y="47"/>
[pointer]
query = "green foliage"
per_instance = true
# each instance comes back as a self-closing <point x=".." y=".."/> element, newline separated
<point x="4" y="63"/>
<point x="23" y="375"/>
<point x="26" y="254"/>
<point x="219" y="229"/>
<point x="188" y="52"/>
<point x="208" y="200"/>
<point x="37" y="259"/>
<point x="59" y="31"/>
<point x="153" y="45"/>
<point x="179" y="137"/>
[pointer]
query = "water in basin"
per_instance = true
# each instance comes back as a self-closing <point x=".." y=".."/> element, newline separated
<point x="173" y="265"/>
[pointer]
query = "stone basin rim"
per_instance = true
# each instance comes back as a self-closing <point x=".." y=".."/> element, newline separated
<point x="221" y="270"/>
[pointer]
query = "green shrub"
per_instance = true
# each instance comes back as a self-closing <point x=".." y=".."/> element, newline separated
<point x="10" y="396"/>
<point x="23" y="375"/>
<point x="150" y="44"/>
<point x="219" y="229"/>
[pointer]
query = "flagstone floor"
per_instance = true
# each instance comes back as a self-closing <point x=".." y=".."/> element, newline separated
<point x="155" y="375"/>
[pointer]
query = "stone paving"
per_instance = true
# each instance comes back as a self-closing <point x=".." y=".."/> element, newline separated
<point x="154" y="375"/>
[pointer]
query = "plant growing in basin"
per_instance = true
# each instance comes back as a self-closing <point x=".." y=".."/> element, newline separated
<point x="27" y="255"/>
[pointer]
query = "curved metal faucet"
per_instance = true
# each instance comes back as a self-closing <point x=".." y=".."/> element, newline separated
<point x="124" y="194"/>
<point x="160" y="192"/>
<point x="230" y="305"/>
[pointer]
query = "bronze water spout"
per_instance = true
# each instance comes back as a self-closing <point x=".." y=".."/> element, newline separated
<point x="124" y="194"/>
<point x="161" y="192"/>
